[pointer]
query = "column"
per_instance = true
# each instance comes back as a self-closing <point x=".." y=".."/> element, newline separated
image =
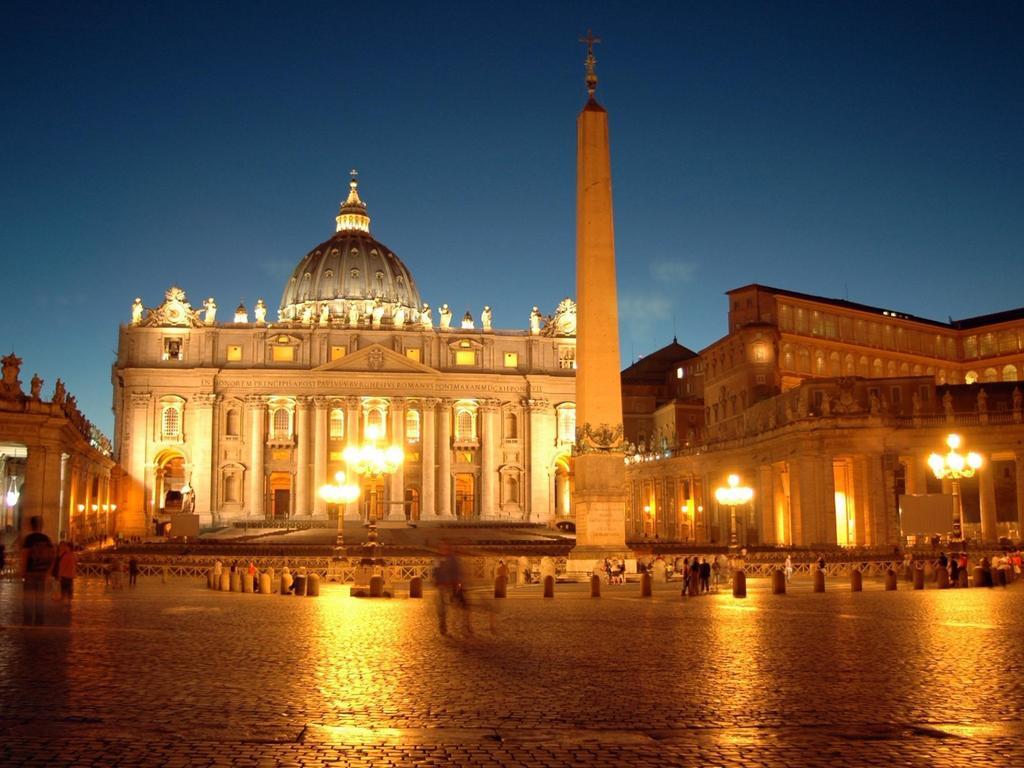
<point x="489" y="440"/>
<point x="396" y="481"/>
<point x="257" y="439"/>
<point x="320" y="406"/>
<point x="987" y="497"/>
<point x="302" y="506"/>
<point x="827" y="533"/>
<point x="428" y="438"/>
<point x="541" y="424"/>
<point x="1018" y="462"/>
<point x="201" y="442"/>
<point x="137" y="515"/>
<point x="764" y="503"/>
<point x="917" y="474"/>
<point x="353" y="437"/>
<point x="444" y="459"/>
<point x="40" y="493"/>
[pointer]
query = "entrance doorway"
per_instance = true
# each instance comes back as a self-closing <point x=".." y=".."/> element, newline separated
<point x="280" y="495"/>
<point x="563" y="487"/>
<point x="170" y="481"/>
<point x="412" y="503"/>
<point x="465" y="496"/>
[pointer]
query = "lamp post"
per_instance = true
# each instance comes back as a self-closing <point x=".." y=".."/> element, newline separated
<point x="339" y="492"/>
<point x="953" y="466"/>
<point x="732" y="495"/>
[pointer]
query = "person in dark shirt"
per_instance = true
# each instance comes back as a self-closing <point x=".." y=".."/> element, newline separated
<point x="36" y="561"/>
<point x="705" y="575"/>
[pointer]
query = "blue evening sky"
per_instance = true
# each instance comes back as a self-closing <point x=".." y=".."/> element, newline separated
<point x="872" y="151"/>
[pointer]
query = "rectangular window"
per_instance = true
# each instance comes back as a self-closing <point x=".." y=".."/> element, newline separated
<point x="465" y="357"/>
<point x="337" y="353"/>
<point x="282" y="354"/>
<point x="413" y="353"/>
<point x="511" y="359"/>
<point x="680" y="373"/>
<point x="234" y="353"/>
<point x="567" y="357"/>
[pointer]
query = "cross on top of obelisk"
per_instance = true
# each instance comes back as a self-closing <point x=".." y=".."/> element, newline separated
<point x="591" y="41"/>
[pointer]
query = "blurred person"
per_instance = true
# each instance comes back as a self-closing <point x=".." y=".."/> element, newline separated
<point x="133" y="571"/>
<point x="788" y="568"/>
<point x="37" y="557"/>
<point x="450" y="590"/>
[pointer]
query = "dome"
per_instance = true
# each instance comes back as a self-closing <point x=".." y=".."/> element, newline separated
<point x="350" y="267"/>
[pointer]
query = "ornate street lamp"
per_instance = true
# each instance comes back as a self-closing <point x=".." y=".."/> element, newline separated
<point x="732" y="495"/>
<point x="371" y="461"/>
<point x="953" y="466"/>
<point x="339" y="492"/>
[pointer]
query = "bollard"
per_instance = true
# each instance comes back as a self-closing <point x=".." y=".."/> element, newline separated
<point x="645" y="584"/>
<point x="299" y="584"/>
<point x="313" y="585"/>
<point x="500" y="586"/>
<point x="778" y="582"/>
<point x="978" y="577"/>
<point x="739" y="584"/>
<point x="961" y="578"/>
<point x="286" y="582"/>
<point x="890" y="580"/>
<point x="236" y="582"/>
<point x="163" y="575"/>
<point x="225" y="582"/>
<point x="273" y="580"/>
<point x="908" y="573"/>
<point x="595" y="586"/>
<point x="265" y="584"/>
<point x="942" y="578"/>
<point x="209" y="579"/>
<point x="918" y="578"/>
<point x="416" y="587"/>
<point x="856" y="580"/>
<point x="549" y="586"/>
<point x="376" y="586"/>
<point x="247" y="583"/>
<point x="819" y="581"/>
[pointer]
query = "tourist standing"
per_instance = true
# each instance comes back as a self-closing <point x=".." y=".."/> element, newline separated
<point x="36" y="561"/>
<point x="789" y="568"/>
<point x="705" y="575"/>
<point x="133" y="571"/>
<point x="66" y="567"/>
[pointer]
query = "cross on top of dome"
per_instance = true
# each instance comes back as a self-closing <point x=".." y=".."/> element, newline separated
<point x="352" y="214"/>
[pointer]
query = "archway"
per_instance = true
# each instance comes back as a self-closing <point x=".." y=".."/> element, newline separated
<point x="170" y="479"/>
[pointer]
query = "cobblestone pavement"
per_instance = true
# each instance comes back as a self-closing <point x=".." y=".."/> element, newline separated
<point x="175" y="675"/>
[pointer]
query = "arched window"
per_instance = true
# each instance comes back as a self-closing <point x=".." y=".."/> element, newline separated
<point x="232" y="423"/>
<point x="567" y="423"/>
<point x="511" y="426"/>
<point x="1010" y="372"/>
<point x="281" y="423"/>
<point x="835" y="367"/>
<point x="412" y="425"/>
<point x="876" y="368"/>
<point x="465" y="424"/>
<point x="337" y="424"/>
<point x="891" y="368"/>
<point x="170" y="425"/>
<point x="863" y="368"/>
<point x="971" y="377"/>
<point x="990" y="374"/>
<point x="851" y="367"/>
<point x="803" y="360"/>
<point x="819" y="363"/>
<point x="374" y="423"/>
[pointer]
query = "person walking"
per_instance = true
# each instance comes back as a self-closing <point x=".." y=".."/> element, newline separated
<point x="788" y="568"/>
<point x="66" y="568"/>
<point x="36" y="561"/>
<point x="133" y="571"/>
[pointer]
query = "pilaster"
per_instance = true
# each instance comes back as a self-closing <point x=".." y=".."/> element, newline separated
<point x="257" y="441"/>
<point x="201" y="439"/>
<point x="320" y="410"/>
<point x="428" y="443"/>
<point x="302" y="463"/>
<point x="396" y="481"/>
<point x="444" y="459"/>
<point x="490" y="441"/>
<point x="541" y="425"/>
<point x="987" y="498"/>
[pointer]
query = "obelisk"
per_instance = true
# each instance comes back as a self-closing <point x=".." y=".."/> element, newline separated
<point x="599" y="500"/>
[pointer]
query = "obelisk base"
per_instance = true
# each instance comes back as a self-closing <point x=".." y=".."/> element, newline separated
<point x="600" y="506"/>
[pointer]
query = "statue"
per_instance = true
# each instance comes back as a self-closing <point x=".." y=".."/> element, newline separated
<point x="211" y="311"/>
<point x="446" y="317"/>
<point x="915" y="404"/>
<point x="353" y="313"/>
<point x="307" y="314"/>
<point x="485" y="318"/>
<point x="426" y="317"/>
<point x="947" y="405"/>
<point x="874" y="404"/>
<point x="1017" y="398"/>
<point x="378" y="312"/>
<point x="398" y="318"/>
<point x="260" y="311"/>
<point x="982" y="401"/>
<point x="535" y="318"/>
<point x="59" y="393"/>
<point x="10" y="387"/>
<point x="36" y="387"/>
<point x="325" y="313"/>
<point x="137" y="310"/>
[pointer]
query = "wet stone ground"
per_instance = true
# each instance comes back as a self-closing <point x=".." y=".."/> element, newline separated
<point x="176" y="675"/>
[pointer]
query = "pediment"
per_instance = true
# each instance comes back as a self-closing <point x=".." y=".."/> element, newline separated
<point x="373" y="359"/>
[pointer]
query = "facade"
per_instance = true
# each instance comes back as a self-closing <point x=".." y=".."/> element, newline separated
<point x="53" y="464"/>
<point x="828" y="410"/>
<point x="245" y="419"/>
